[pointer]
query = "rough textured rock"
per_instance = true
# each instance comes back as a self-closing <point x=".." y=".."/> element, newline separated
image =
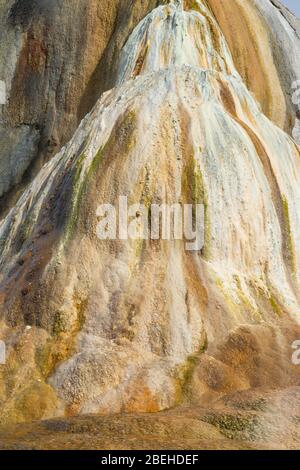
<point x="141" y="326"/>
<point x="56" y="59"/>
<point x="264" y="40"/>
<point x="256" y="419"/>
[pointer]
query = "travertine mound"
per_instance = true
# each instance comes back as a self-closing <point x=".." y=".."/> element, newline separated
<point x="196" y="116"/>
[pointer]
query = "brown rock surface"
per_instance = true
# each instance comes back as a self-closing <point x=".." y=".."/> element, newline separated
<point x="56" y="59"/>
<point x="112" y="326"/>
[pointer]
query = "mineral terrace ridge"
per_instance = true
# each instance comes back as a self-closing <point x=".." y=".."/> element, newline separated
<point x="180" y="102"/>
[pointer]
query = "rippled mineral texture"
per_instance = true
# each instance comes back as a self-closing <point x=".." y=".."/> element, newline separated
<point x="181" y="102"/>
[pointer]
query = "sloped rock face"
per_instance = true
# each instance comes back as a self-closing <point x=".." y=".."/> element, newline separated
<point x="109" y="325"/>
<point x="263" y="37"/>
<point x="56" y="59"/>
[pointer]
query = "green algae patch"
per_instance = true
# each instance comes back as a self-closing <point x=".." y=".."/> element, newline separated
<point x="35" y="402"/>
<point x="77" y="192"/>
<point x="233" y="307"/>
<point x="288" y="236"/>
<point x="119" y="143"/>
<point x="255" y="313"/>
<point x="275" y="307"/>
<point x="237" y="426"/>
<point x="24" y="232"/>
<point x="191" y="5"/>
<point x="186" y="372"/>
<point x="194" y="191"/>
<point x="79" y="186"/>
<point x="61" y="345"/>
<point x="242" y="305"/>
<point x="54" y="352"/>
